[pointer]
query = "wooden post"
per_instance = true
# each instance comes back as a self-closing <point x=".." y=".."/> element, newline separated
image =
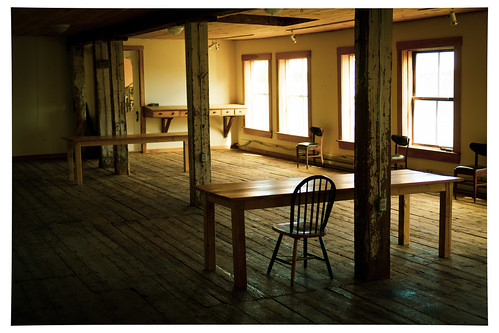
<point x="373" y="60"/>
<point x="198" y="104"/>
<point x="103" y="100"/>
<point x="117" y="77"/>
<point x="79" y="101"/>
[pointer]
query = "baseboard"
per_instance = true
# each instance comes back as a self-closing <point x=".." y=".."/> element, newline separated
<point x="166" y="150"/>
<point x="39" y="157"/>
<point x="268" y="153"/>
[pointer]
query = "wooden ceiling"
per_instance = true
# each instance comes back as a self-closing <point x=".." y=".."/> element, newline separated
<point x="231" y="24"/>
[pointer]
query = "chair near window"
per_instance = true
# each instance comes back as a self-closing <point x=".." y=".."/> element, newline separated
<point x="477" y="171"/>
<point x="311" y="205"/>
<point x="312" y="149"/>
<point x="398" y="158"/>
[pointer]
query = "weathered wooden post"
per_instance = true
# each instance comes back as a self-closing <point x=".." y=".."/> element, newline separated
<point x="373" y="63"/>
<point x="117" y="77"/>
<point x="110" y="101"/>
<point x="79" y="101"/>
<point x="103" y="100"/>
<point x="198" y="104"/>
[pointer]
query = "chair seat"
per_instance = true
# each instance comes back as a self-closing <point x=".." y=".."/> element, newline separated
<point x="284" y="228"/>
<point x="308" y="144"/>
<point x="471" y="168"/>
<point x="397" y="158"/>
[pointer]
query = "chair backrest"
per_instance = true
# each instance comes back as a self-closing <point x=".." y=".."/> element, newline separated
<point x="316" y="131"/>
<point x="478" y="149"/>
<point x="311" y="204"/>
<point x="400" y="140"/>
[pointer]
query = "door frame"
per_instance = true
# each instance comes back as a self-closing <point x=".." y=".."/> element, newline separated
<point x="142" y="98"/>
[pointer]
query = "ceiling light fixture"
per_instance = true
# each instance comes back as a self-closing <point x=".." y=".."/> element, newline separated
<point x="60" y="28"/>
<point x="216" y="44"/>
<point x="175" y="30"/>
<point x="453" y="19"/>
<point x="272" y="11"/>
<point x="321" y="25"/>
<point x="293" y="37"/>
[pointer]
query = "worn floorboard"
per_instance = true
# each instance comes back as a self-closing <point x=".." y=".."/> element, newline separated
<point x="129" y="249"/>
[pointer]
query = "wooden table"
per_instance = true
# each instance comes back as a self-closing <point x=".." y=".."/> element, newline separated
<point x="76" y="142"/>
<point x="275" y="193"/>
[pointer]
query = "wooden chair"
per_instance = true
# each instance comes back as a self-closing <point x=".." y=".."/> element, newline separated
<point x="398" y="158"/>
<point x="311" y="205"/>
<point x="475" y="170"/>
<point x="313" y="147"/>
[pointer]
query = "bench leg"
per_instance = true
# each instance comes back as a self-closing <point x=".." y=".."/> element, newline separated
<point x="186" y="156"/>
<point x="79" y="167"/>
<point x="71" y="167"/>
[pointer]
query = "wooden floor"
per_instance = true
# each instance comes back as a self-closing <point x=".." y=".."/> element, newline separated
<point x="129" y="249"/>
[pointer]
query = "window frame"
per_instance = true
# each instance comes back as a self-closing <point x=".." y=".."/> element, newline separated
<point x="340" y="51"/>
<point x="405" y="77"/>
<point x="289" y="56"/>
<point x="251" y="57"/>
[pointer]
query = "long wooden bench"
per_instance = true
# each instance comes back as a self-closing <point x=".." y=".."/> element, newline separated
<point x="75" y="143"/>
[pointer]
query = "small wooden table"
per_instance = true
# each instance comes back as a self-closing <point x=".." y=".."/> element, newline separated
<point x="275" y="193"/>
<point x="76" y="142"/>
<point x="168" y="112"/>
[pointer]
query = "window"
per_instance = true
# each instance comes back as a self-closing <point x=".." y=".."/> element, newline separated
<point x="429" y="91"/>
<point x="256" y="71"/>
<point x="346" y="95"/>
<point x="433" y="101"/>
<point x="293" y="69"/>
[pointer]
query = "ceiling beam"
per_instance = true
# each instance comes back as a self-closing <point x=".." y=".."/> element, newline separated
<point x="263" y="20"/>
<point x="152" y="21"/>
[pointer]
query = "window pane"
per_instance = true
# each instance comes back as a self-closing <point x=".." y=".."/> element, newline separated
<point x="427" y="74"/>
<point x="348" y="97"/>
<point x="256" y="83"/>
<point x="446" y="74"/>
<point x="445" y="124"/>
<point x="293" y="96"/>
<point x="425" y="120"/>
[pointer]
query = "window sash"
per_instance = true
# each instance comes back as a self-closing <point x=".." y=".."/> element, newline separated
<point x="293" y="94"/>
<point x="256" y="78"/>
<point x="433" y="102"/>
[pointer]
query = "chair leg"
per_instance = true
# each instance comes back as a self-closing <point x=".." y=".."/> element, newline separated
<point x="293" y="263"/>
<point x="297" y="157"/>
<point x="326" y="258"/>
<point x="475" y="182"/>
<point x="306" y="157"/>
<point x="305" y="252"/>
<point x="455" y="186"/>
<point x="274" y="255"/>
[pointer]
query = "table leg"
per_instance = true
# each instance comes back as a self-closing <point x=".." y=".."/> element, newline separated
<point x="71" y="166"/>
<point x="79" y="166"/>
<point x="445" y="225"/>
<point x="239" y="245"/>
<point x="404" y="219"/>
<point x="209" y="234"/>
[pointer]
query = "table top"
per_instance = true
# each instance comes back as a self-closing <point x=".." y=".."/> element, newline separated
<point x="126" y="136"/>
<point x="286" y="186"/>
<point x="184" y="107"/>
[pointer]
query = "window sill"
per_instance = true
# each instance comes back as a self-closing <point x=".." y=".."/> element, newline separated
<point x="293" y="138"/>
<point x="347" y="145"/>
<point x="417" y="152"/>
<point x="434" y="154"/>
<point x="256" y="132"/>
